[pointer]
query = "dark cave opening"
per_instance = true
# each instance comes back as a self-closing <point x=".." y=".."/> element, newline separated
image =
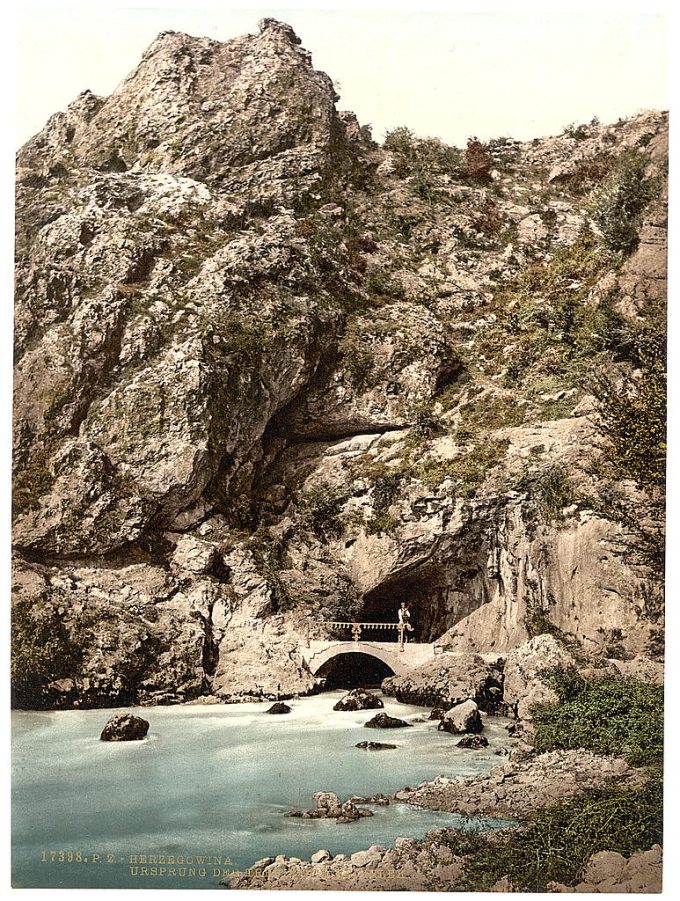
<point x="437" y="597"/>
<point x="418" y="590"/>
<point x="354" y="671"/>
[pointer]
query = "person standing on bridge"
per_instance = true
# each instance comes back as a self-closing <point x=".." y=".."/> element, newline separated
<point x="405" y="626"/>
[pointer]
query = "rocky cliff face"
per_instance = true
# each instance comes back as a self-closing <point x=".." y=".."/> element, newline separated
<point x="270" y="373"/>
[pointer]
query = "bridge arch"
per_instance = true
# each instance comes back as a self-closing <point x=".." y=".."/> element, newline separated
<point x="390" y="655"/>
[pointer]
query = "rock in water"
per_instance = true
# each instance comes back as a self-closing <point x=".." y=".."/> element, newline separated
<point x="375" y="746"/>
<point x="473" y="742"/>
<point x="279" y="707"/>
<point x="385" y="721"/>
<point x="125" y="727"/>
<point x="358" y="699"/>
<point x="462" y="718"/>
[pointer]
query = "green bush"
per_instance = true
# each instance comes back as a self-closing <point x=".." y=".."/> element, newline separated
<point x="617" y="206"/>
<point x="422" y="157"/>
<point x="41" y="652"/>
<point x="608" y="716"/>
<point x="319" y="510"/>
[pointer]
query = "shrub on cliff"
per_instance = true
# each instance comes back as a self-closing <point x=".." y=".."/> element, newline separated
<point x="632" y="425"/>
<point x="421" y="157"/>
<point x="41" y="652"/>
<point x="477" y="161"/>
<point x="617" y="206"/>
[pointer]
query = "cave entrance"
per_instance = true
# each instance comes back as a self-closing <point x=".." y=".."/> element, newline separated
<point x="437" y="597"/>
<point x="352" y="670"/>
<point x="418" y="590"/>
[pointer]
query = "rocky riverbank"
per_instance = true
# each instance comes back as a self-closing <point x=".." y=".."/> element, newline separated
<point x="514" y="790"/>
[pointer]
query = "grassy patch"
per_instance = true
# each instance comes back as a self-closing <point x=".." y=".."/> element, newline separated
<point x="469" y="469"/>
<point x="608" y="716"/>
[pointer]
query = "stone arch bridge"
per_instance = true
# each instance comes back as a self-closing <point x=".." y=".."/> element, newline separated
<point x="399" y="656"/>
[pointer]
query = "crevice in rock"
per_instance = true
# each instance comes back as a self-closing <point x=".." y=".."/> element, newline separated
<point x="211" y="651"/>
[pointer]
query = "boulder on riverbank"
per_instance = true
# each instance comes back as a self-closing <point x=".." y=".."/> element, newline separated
<point x="375" y="746"/>
<point x="525" y="668"/>
<point x="448" y="680"/>
<point x="461" y="719"/>
<point x="125" y="727"/>
<point x="385" y="721"/>
<point x="279" y="707"/>
<point x="358" y="699"/>
<point x="609" y="871"/>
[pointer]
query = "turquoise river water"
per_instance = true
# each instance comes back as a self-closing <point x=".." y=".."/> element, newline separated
<point x="214" y="782"/>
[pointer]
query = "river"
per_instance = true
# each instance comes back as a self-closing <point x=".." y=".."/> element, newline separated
<point x="214" y="781"/>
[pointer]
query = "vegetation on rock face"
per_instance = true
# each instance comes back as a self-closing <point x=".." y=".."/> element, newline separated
<point x="617" y="205"/>
<point x="42" y="652"/>
<point x="421" y="157"/>
<point x="632" y="423"/>
<point x="544" y="326"/>
<point x="477" y="162"/>
<point x="318" y="512"/>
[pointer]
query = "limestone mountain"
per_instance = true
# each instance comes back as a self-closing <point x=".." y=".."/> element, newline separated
<point x="269" y="373"/>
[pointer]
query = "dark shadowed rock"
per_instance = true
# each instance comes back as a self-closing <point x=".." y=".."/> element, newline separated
<point x="279" y="707"/>
<point x="375" y="746"/>
<point x="358" y="699"/>
<point x="124" y="727"/>
<point x="436" y="713"/>
<point x="473" y="742"/>
<point x="385" y="721"/>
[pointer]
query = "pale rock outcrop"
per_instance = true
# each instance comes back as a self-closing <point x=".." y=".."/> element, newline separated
<point x="609" y="871"/>
<point x="516" y="788"/>
<point x="449" y="680"/>
<point x="525" y="668"/>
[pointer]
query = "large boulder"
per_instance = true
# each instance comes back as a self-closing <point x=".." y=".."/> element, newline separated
<point x="525" y="669"/>
<point x="125" y="727"/>
<point x="609" y="871"/>
<point x="385" y="721"/>
<point x="358" y="699"/>
<point x="329" y="803"/>
<point x="461" y="719"/>
<point x="448" y="680"/>
<point x="279" y="707"/>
